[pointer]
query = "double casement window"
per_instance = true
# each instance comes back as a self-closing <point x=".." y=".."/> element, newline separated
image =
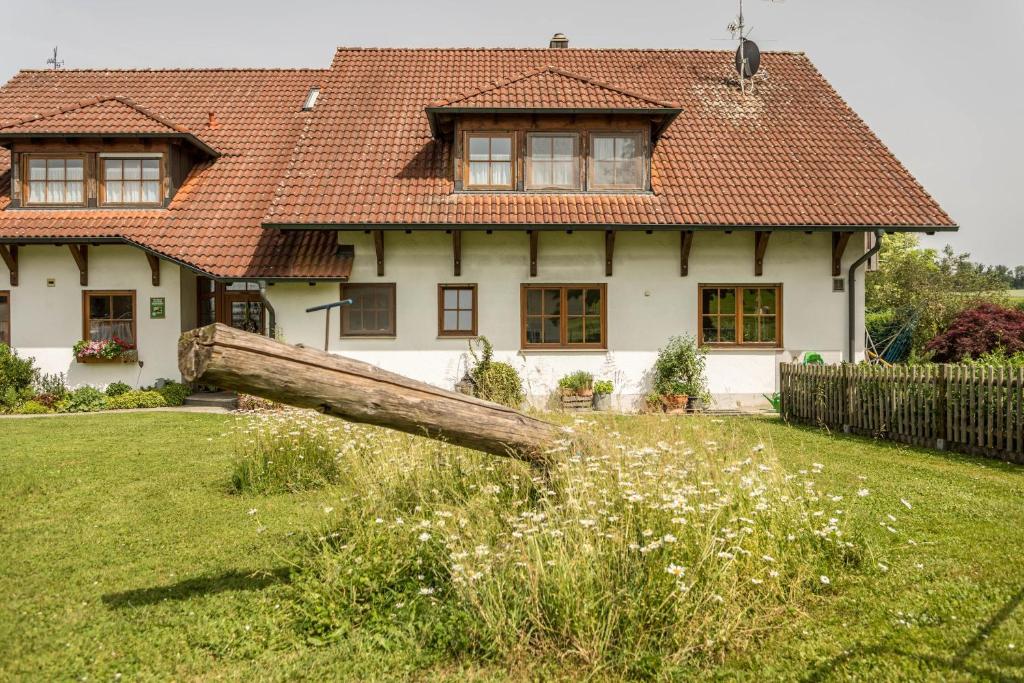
<point x="564" y="316"/>
<point x="372" y="311"/>
<point x="741" y="315"/>
<point x="456" y="310"/>
<point x="109" y="315"/>
<point x="54" y="180"/>
<point x="5" y="318"/>
<point x="552" y="161"/>
<point x="616" y="161"/>
<point x="130" y="181"/>
<point x="489" y="161"/>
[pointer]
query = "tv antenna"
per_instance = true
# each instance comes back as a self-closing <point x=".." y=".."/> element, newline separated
<point x="748" y="55"/>
<point x="53" y="62"/>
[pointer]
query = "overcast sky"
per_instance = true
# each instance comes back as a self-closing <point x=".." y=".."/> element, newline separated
<point x="940" y="81"/>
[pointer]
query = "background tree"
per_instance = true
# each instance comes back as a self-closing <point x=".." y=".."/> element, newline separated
<point x="915" y="283"/>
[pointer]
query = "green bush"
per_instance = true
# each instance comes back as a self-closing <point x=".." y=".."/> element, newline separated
<point x="117" y="388"/>
<point x="493" y="380"/>
<point x="136" y="399"/>
<point x="603" y="387"/>
<point x="31" y="408"/>
<point x="578" y="383"/>
<point x="52" y="385"/>
<point x="175" y="393"/>
<point x="999" y="357"/>
<point x="679" y="369"/>
<point x="84" y="399"/>
<point x="17" y="377"/>
<point x="289" y="452"/>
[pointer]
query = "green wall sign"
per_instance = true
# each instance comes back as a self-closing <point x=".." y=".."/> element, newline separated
<point x="157" y="307"/>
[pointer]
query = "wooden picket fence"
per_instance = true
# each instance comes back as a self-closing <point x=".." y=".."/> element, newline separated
<point x="974" y="409"/>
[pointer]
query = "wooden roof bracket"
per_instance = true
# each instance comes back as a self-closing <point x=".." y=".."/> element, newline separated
<point x="760" y="247"/>
<point x="609" y="251"/>
<point x="154" y="268"/>
<point x="457" y="251"/>
<point x="685" y="242"/>
<point x="378" y="247"/>
<point x="80" y="252"/>
<point x="534" y="238"/>
<point x="839" y="242"/>
<point x="9" y="254"/>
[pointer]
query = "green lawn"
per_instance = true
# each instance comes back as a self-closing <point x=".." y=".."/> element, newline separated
<point x="123" y="552"/>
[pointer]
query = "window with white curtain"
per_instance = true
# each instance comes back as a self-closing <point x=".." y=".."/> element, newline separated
<point x="489" y="161"/>
<point x="552" y="161"/>
<point x="55" y="180"/>
<point x="131" y="181"/>
<point x="616" y="161"/>
<point x="110" y="315"/>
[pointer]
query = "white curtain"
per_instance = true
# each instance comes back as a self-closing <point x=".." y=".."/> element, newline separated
<point x="108" y="329"/>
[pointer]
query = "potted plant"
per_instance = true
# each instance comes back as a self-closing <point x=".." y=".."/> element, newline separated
<point x="679" y="373"/>
<point x="113" y="350"/>
<point x="576" y="390"/>
<point x="603" y="389"/>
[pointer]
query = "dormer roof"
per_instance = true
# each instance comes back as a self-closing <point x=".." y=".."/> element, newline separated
<point x="549" y="89"/>
<point x="112" y="116"/>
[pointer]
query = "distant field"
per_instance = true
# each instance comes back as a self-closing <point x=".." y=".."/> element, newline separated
<point x="1016" y="293"/>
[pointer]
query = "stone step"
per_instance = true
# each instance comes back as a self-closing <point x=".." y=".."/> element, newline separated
<point x="228" y="400"/>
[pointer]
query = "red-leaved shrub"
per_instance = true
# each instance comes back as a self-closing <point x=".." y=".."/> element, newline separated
<point x="979" y="330"/>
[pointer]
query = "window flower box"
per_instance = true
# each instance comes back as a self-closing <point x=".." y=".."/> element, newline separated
<point x="113" y="350"/>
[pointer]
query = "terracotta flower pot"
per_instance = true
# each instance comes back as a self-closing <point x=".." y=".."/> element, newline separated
<point x="675" y="401"/>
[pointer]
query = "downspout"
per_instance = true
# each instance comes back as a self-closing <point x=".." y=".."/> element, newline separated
<point x="271" y="314"/>
<point x="852" y="295"/>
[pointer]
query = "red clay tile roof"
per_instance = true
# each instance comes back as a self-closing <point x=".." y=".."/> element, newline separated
<point x="551" y="88"/>
<point x="98" y="115"/>
<point x="790" y="154"/>
<point x="214" y="221"/>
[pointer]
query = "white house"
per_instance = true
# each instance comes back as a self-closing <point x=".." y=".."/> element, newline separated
<point x="578" y="207"/>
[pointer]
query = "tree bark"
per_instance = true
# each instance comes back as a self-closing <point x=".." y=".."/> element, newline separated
<point x="359" y="392"/>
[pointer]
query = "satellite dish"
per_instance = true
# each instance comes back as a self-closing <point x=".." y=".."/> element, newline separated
<point x="748" y="49"/>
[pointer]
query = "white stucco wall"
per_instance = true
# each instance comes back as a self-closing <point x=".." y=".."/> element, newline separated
<point x="47" y="321"/>
<point x="648" y="302"/>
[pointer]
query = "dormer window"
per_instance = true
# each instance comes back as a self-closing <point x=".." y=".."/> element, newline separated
<point x="552" y="161"/>
<point x="616" y="161"/>
<point x="130" y="181"/>
<point x="54" y="180"/>
<point x="489" y="161"/>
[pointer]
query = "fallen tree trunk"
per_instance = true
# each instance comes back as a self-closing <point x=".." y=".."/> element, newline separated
<point x="357" y="391"/>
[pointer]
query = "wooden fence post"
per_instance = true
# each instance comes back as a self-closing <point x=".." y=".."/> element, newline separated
<point x="940" y="409"/>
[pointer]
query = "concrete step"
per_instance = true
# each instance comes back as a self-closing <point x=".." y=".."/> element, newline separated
<point x="228" y="400"/>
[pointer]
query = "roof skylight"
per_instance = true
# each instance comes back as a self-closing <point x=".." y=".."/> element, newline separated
<point x="311" y="96"/>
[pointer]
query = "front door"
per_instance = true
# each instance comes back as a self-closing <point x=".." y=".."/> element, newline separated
<point x="237" y="304"/>
<point x="243" y="310"/>
<point x="5" y="318"/>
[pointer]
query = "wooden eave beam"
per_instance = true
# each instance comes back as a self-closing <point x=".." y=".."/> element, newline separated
<point x="534" y="238"/>
<point x="154" y="268"/>
<point x="457" y="252"/>
<point x="80" y="252"/>
<point x="10" y="256"/>
<point x="685" y="242"/>
<point x="839" y="242"/>
<point x="760" y="247"/>
<point x="609" y="251"/>
<point x="378" y="247"/>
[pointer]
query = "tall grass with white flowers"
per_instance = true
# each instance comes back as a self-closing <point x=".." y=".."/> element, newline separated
<point x="654" y="549"/>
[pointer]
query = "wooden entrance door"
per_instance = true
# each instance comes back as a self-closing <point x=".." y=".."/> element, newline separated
<point x="5" y="318"/>
<point x="237" y="304"/>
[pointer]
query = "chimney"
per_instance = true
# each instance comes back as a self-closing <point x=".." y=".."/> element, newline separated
<point x="212" y="122"/>
<point x="559" y="41"/>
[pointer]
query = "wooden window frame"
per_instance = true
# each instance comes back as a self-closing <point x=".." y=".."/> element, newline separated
<point x="645" y="160"/>
<point x="26" y="157"/>
<point x="513" y="160"/>
<point x="528" y="161"/>
<point x="563" y="326"/>
<point x="10" y="332"/>
<point x="738" y="289"/>
<point x="441" y="332"/>
<point x="390" y="333"/>
<point x="101" y="173"/>
<point x="88" y="293"/>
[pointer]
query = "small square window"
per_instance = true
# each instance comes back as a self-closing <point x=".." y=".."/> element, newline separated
<point x="457" y="312"/>
<point x="372" y="311"/>
<point x="489" y="162"/>
<point x="616" y="161"/>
